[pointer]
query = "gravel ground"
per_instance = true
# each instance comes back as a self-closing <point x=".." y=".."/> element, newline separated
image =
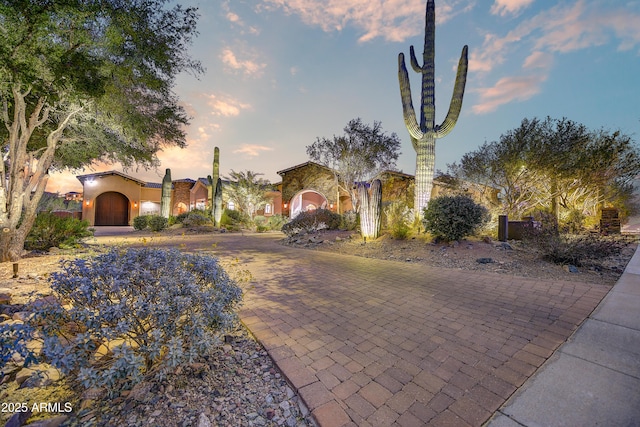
<point x="514" y="258"/>
<point x="237" y="385"/>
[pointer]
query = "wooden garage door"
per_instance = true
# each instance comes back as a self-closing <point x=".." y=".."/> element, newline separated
<point x="112" y="209"/>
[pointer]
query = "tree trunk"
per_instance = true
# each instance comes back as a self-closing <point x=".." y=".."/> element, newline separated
<point x="425" y="168"/>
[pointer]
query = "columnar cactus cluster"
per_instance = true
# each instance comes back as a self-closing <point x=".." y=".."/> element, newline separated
<point x="370" y="209"/>
<point x="424" y="135"/>
<point x="165" y="201"/>
<point x="216" y="189"/>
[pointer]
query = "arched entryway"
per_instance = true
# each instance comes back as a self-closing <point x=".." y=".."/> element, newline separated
<point x="307" y="200"/>
<point x="112" y="208"/>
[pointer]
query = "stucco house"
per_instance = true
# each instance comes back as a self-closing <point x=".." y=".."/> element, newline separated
<point x="114" y="198"/>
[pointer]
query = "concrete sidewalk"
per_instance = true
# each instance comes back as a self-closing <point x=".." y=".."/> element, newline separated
<point x="594" y="378"/>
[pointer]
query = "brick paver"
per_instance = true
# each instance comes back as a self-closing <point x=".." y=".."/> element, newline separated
<point x="372" y="342"/>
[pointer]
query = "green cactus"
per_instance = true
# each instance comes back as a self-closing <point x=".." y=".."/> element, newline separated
<point x="165" y="201"/>
<point x="213" y="180"/>
<point x="217" y="203"/>
<point x="370" y="209"/>
<point x="424" y="135"/>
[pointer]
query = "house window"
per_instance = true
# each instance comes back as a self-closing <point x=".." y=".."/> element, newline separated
<point x="267" y="208"/>
<point x="231" y="206"/>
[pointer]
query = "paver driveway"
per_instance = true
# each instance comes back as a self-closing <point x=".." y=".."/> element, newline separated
<point x="371" y="342"/>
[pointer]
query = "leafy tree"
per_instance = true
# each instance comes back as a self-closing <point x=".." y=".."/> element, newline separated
<point x="556" y="165"/>
<point x="359" y="156"/>
<point x="84" y="81"/>
<point x="503" y="165"/>
<point x="247" y="191"/>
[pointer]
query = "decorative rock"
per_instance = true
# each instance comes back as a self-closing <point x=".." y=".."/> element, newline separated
<point x="18" y="419"/>
<point x="5" y="299"/>
<point x="203" y="421"/>
<point x="504" y="246"/>
<point x="23" y="316"/>
<point x="338" y="239"/>
<point x="571" y="269"/>
<point x="484" y="260"/>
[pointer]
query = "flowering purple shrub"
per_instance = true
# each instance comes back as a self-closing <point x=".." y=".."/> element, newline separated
<point x="132" y="311"/>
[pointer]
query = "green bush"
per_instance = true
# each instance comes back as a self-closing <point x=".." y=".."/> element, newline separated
<point x="194" y="219"/>
<point x="311" y="221"/>
<point x="349" y="221"/>
<point x="398" y="217"/>
<point x="141" y="222"/>
<point x="453" y="217"/>
<point x="147" y="309"/>
<point x="275" y="222"/>
<point x="158" y="222"/>
<point x="233" y="218"/>
<point x="50" y="231"/>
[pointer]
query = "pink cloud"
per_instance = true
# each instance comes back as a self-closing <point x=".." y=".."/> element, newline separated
<point x="509" y="7"/>
<point x="392" y="20"/>
<point x="247" y="66"/>
<point x="506" y="90"/>
<point x="252" y="150"/>
<point x="226" y="106"/>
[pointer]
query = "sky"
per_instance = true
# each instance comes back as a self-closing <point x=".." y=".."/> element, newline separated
<point x="282" y="73"/>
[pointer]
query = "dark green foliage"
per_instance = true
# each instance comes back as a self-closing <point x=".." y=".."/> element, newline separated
<point x="141" y="222"/>
<point x="454" y="217"/>
<point x="152" y="222"/>
<point x="85" y="81"/>
<point x="158" y="223"/>
<point x="49" y="230"/>
<point x="312" y="221"/>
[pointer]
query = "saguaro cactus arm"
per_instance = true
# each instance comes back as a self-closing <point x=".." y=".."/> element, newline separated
<point x="409" y="113"/>
<point x="456" y="99"/>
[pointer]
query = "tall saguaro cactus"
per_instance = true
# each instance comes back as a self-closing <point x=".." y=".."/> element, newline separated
<point x="165" y="201"/>
<point x="424" y="135"/>
<point x="213" y="180"/>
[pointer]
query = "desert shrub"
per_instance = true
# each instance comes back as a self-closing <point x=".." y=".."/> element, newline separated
<point x="133" y="311"/>
<point x="574" y="221"/>
<point x="349" y="221"/>
<point x="398" y="217"/>
<point x="565" y="249"/>
<point x="158" y="222"/>
<point x="454" y="217"/>
<point x="275" y="222"/>
<point x="311" y="221"/>
<point x="141" y="222"/>
<point x="180" y="218"/>
<point x="233" y="218"/>
<point x="194" y="219"/>
<point x="50" y="230"/>
<point x="172" y="220"/>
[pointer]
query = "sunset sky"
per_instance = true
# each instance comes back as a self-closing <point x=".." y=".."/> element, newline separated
<point x="281" y="73"/>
